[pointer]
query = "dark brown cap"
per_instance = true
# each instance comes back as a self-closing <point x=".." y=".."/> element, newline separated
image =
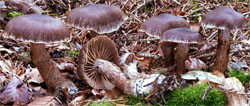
<point x="97" y="17"/>
<point x="100" y="47"/>
<point x="156" y="25"/>
<point x="37" y="28"/>
<point x="182" y="35"/>
<point x="224" y="18"/>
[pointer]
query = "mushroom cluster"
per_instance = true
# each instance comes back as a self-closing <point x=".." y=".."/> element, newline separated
<point x="99" y="63"/>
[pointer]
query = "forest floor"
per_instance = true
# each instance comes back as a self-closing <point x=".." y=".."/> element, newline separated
<point x="21" y="84"/>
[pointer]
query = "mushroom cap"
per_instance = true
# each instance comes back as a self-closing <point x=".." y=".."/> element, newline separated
<point x="36" y="28"/>
<point x="224" y="18"/>
<point x="182" y="35"/>
<point x="97" y="17"/>
<point x="156" y="25"/>
<point x="100" y="47"/>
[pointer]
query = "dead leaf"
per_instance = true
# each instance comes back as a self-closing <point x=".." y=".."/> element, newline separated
<point x="193" y="75"/>
<point x="234" y="92"/>
<point x="15" y="91"/>
<point x="195" y="64"/>
<point x="33" y="75"/>
<point x="44" y="101"/>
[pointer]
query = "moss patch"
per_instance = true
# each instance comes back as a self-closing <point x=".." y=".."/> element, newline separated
<point x="104" y="103"/>
<point x="244" y="78"/>
<point x="192" y="96"/>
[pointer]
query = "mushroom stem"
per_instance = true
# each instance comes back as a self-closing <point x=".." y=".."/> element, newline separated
<point x="168" y="51"/>
<point x="80" y="64"/>
<point x="47" y="69"/>
<point x="181" y="54"/>
<point x="113" y="72"/>
<point x="144" y="85"/>
<point x="222" y="53"/>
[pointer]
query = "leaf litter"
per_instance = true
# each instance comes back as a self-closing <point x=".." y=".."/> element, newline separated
<point x="17" y="74"/>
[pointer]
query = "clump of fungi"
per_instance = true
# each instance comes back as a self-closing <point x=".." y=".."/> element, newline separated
<point x="175" y="46"/>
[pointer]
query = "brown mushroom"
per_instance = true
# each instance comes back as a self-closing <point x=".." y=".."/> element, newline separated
<point x="175" y="45"/>
<point x="156" y="25"/>
<point x="40" y="29"/>
<point x="225" y="19"/>
<point x="96" y="18"/>
<point x="100" y="47"/>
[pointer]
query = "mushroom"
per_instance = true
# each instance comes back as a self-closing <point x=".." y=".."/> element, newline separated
<point x="225" y="19"/>
<point x="175" y="46"/>
<point x="96" y="18"/>
<point x="38" y="30"/>
<point x="100" y="47"/>
<point x="156" y="25"/>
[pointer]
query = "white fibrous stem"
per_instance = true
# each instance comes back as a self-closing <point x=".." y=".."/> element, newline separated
<point x="145" y="85"/>
<point x="130" y="69"/>
<point x="135" y="87"/>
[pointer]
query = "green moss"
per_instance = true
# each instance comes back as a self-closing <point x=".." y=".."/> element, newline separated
<point x="104" y="103"/>
<point x="192" y="96"/>
<point x="14" y="14"/>
<point x="71" y="53"/>
<point x="135" y="101"/>
<point x="244" y="78"/>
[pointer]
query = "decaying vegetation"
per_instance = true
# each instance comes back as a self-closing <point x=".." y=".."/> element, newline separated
<point x="131" y="63"/>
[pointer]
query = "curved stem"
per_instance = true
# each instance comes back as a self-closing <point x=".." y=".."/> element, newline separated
<point x="222" y="53"/>
<point x="47" y="69"/>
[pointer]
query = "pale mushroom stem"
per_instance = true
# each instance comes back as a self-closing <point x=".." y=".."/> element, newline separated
<point x="168" y="51"/>
<point x="181" y="54"/>
<point x="222" y="53"/>
<point x="47" y="69"/>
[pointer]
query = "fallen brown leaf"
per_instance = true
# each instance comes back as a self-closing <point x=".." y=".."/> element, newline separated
<point x="15" y="91"/>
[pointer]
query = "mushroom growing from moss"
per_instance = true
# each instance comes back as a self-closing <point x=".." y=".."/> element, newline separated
<point x="156" y="25"/>
<point x="100" y="47"/>
<point x="38" y="30"/>
<point x="175" y="46"/>
<point x="225" y="19"/>
<point x="96" y="18"/>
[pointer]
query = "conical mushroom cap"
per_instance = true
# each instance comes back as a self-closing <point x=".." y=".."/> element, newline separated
<point x="97" y="17"/>
<point x="37" y="28"/>
<point x="100" y="47"/>
<point x="224" y="18"/>
<point x="156" y="25"/>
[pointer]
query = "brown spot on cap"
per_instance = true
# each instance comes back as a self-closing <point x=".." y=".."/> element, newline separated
<point x="97" y="17"/>
<point x="182" y="35"/>
<point x="224" y="18"/>
<point x="36" y="28"/>
<point x="100" y="47"/>
<point x="156" y="25"/>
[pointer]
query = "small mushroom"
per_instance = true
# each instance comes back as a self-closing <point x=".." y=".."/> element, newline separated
<point x="225" y="19"/>
<point x="175" y="46"/>
<point x="156" y="25"/>
<point x="100" y="47"/>
<point x="38" y="30"/>
<point x="96" y="18"/>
